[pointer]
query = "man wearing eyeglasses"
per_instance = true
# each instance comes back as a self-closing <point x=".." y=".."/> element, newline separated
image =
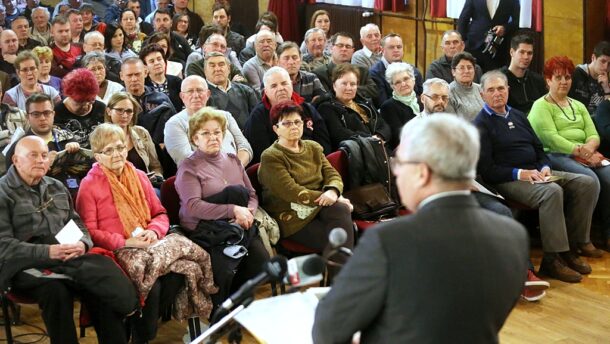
<point x="35" y="208"/>
<point x="468" y="274"/>
<point x="195" y="94"/>
<point x="341" y="52"/>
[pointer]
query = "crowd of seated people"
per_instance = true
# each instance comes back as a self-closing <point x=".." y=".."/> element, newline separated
<point x="177" y="101"/>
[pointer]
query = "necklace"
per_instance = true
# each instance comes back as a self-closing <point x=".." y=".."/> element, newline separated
<point x="573" y="119"/>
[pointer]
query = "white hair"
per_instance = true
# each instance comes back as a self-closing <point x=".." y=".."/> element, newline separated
<point x="92" y="34"/>
<point x="43" y="9"/>
<point x="493" y="74"/>
<point x="448" y="144"/>
<point x="434" y="81"/>
<point x="366" y="28"/>
<point x="195" y="78"/>
<point x="311" y="31"/>
<point x="398" y="67"/>
<point x="275" y="70"/>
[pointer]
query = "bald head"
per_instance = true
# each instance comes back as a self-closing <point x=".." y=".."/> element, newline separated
<point x="31" y="159"/>
<point x="26" y="144"/>
<point x="9" y="42"/>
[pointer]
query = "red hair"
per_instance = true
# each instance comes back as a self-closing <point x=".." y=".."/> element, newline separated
<point x="558" y="64"/>
<point x="283" y="109"/>
<point x="80" y="85"/>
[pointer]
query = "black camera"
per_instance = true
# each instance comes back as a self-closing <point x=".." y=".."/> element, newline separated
<point x="492" y="43"/>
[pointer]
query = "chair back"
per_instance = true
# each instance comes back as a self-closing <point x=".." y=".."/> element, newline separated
<point x="252" y="173"/>
<point x="171" y="200"/>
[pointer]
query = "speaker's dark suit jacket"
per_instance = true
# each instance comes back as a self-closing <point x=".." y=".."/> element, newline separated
<point x="473" y="32"/>
<point x="450" y="273"/>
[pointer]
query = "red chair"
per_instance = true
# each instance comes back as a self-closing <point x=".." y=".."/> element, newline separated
<point x="170" y="200"/>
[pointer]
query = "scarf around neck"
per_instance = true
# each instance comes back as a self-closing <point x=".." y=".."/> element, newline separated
<point x="410" y="101"/>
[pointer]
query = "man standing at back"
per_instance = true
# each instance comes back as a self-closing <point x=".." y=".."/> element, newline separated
<point x="445" y="274"/>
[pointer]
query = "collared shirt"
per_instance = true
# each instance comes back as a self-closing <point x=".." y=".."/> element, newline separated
<point x="441" y="195"/>
<point x="219" y="87"/>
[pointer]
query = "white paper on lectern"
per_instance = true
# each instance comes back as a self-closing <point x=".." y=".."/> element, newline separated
<point x="70" y="234"/>
<point x="281" y="319"/>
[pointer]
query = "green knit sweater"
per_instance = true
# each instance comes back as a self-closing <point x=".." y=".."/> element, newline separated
<point x="556" y="130"/>
<point x="292" y="181"/>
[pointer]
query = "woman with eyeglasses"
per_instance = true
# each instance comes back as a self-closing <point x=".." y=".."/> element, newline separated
<point x="95" y="62"/>
<point x="213" y="186"/>
<point x="301" y="190"/>
<point x="27" y="67"/>
<point x="464" y="94"/>
<point x="346" y="114"/>
<point x="117" y="203"/>
<point x="123" y="110"/>
<point x="80" y="112"/>
<point x="570" y="139"/>
<point x="404" y="105"/>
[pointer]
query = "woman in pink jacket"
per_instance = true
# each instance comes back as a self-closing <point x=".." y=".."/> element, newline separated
<point x="120" y="208"/>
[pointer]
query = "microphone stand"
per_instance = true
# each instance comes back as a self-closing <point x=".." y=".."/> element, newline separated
<point x="214" y="333"/>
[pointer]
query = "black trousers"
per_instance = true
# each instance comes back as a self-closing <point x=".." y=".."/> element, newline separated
<point x="55" y="297"/>
<point x="159" y="299"/>
<point x="315" y="233"/>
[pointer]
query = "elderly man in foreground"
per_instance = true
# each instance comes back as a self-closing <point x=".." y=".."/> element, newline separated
<point x="448" y="292"/>
<point x="33" y="210"/>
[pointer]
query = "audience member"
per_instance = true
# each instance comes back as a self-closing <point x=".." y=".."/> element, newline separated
<point x="221" y="16"/>
<point x="464" y="94"/>
<point x="76" y="26"/>
<point x="154" y="59"/>
<point x="320" y="19"/>
<point x="27" y="65"/>
<point x="591" y="83"/>
<point x="173" y="67"/>
<point x="180" y="49"/>
<point x="115" y="44"/>
<point x="214" y="188"/>
<point x="11" y="119"/>
<point x="64" y="6"/>
<point x="134" y="39"/>
<point x="21" y="27"/>
<point x="41" y="27"/>
<point x="452" y="44"/>
<point x="259" y="129"/>
<point x="214" y="43"/>
<point x="95" y="62"/>
<point x="180" y="26"/>
<point x="306" y="84"/>
<point x="142" y="26"/>
<point x="301" y="189"/>
<point x="95" y="42"/>
<point x="90" y="23"/>
<point x="80" y="112"/>
<point x="238" y="99"/>
<point x="9" y="45"/>
<point x="435" y="97"/>
<point x="195" y="21"/>
<point x="113" y="11"/>
<point x="370" y="37"/>
<point x="265" y="58"/>
<point x="434" y="168"/>
<point x="346" y="114"/>
<point x="525" y="85"/>
<point x="568" y="135"/>
<point x="65" y="53"/>
<point x="315" y="42"/>
<point x="195" y="95"/>
<point x="161" y="5"/>
<point x="511" y="153"/>
<point x="45" y="56"/>
<point x="404" y="105"/>
<point x="341" y="52"/>
<point x="392" y="48"/>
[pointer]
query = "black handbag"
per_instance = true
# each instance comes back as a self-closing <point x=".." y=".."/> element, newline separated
<point x="371" y="202"/>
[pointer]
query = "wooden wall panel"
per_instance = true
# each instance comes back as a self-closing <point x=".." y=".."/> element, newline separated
<point x="595" y="18"/>
<point x="564" y="29"/>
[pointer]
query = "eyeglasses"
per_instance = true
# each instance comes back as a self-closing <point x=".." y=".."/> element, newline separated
<point x="341" y="46"/>
<point x="437" y="97"/>
<point x="403" y="80"/>
<point x="28" y="69"/>
<point x="38" y="114"/>
<point x="464" y="68"/>
<point x="193" y="91"/>
<point x="121" y="111"/>
<point x="288" y="124"/>
<point x="111" y="150"/>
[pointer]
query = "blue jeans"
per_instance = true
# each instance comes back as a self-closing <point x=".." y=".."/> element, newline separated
<point x="601" y="175"/>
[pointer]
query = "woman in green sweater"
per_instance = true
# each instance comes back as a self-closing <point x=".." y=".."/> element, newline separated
<point x="570" y="138"/>
<point x="301" y="189"/>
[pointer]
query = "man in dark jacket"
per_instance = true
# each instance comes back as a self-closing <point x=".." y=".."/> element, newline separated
<point x="33" y="210"/>
<point x="162" y="22"/>
<point x="590" y="82"/>
<point x="452" y="44"/>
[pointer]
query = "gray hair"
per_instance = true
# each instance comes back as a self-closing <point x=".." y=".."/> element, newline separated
<point x="92" y="34"/>
<point x="492" y="74"/>
<point x="196" y="78"/>
<point x="398" y="67"/>
<point x="311" y="31"/>
<point x="264" y="32"/>
<point x="448" y="144"/>
<point x="434" y="81"/>
<point x="368" y="27"/>
<point x="43" y="9"/>
<point x="94" y="56"/>
<point x="275" y="70"/>
<point x="449" y="32"/>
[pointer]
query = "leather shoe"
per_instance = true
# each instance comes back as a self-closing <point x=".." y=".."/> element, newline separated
<point x="555" y="267"/>
<point x="588" y="250"/>
<point x="575" y="263"/>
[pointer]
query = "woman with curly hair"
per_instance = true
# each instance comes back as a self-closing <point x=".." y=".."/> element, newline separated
<point x="45" y="59"/>
<point x="80" y="112"/>
<point x="116" y="43"/>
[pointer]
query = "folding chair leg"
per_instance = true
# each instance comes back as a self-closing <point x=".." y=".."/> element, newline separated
<point x="194" y="328"/>
<point x="7" y="319"/>
<point x="273" y="289"/>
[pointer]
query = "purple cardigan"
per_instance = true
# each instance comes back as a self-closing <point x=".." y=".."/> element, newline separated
<point x="202" y="175"/>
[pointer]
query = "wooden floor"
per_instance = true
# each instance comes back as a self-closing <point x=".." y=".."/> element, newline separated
<point x="570" y="313"/>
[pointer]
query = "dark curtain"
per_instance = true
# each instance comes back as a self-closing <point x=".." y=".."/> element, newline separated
<point x="286" y="11"/>
<point x="391" y="5"/>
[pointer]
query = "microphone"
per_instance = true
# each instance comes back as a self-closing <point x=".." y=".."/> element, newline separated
<point x="273" y="270"/>
<point x="304" y="270"/>
<point x="367" y="14"/>
<point x="337" y="237"/>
